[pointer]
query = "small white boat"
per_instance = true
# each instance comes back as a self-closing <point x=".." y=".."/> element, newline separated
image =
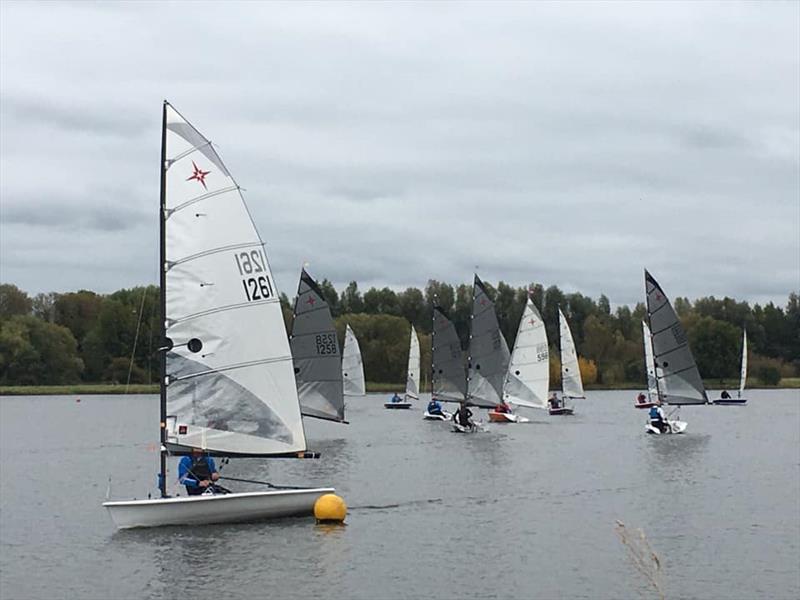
<point x="443" y="416"/>
<point x="672" y="426"/>
<point x="227" y="382"/>
<point x="412" y="378"/>
<point x="739" y="400"/>
<point x="571" y="381"/>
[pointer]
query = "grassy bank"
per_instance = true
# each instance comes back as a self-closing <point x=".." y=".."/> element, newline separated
<point x="86" y="389"/>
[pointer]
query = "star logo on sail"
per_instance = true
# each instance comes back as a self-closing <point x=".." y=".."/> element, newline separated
<point x="199" y="175"/>
<point x="532" y="322"/>
<point x="311" y="301"/>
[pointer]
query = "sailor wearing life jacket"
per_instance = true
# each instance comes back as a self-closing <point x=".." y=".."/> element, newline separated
<point x="197" y="472"/>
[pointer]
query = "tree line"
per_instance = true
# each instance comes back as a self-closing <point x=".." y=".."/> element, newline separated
<point x="62" y="338"/>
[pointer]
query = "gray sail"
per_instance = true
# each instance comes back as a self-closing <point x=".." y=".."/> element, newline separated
<point x="488" y="352"/>
<point x="678" y="379"/>
<point x="315" y="350"/>
<point x="448" y="376"/>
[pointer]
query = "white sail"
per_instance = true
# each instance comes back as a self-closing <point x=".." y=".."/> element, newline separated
<point x="352" y="366"/>
<point x="743" y="377"/>
<point x="679" y="381"/>
<point x="649" y="363"/>
<point x="571" y="382"/>
<point x="230" y="384"/>
<point x="412" y="382"/>
<point x="315" y="350"/>
<point x="528" y="376"/>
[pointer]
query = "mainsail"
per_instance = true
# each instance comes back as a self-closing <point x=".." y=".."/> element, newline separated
<point x="352" y="365"/>
<point x="412" y="382"/>
<point x="488" y="355"/>
<point x="571" y="383"/>
<point x="448" y="377"/>
<point x="679" y="381"/>
<point x="315" y="349"/>
<point x="228" y="369"/>
<point x="528" y="376"/>
<point x="743" y="378"/>
<point x="649" y="364"/>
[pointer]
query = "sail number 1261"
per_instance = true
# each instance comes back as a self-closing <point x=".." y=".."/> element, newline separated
<point x="253" y="268"/>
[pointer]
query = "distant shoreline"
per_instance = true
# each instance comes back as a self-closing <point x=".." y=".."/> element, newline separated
<point x="88" y="389"/>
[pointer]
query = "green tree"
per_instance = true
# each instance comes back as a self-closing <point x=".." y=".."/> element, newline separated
<point x="13" y="301"/>
<point x="34" y="352"/>
<point x="351" y="299"/>
<point x="716" y="347"/>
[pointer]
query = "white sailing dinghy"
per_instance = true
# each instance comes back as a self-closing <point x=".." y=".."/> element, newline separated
<point x="571" y="382"/>
<point x="528" y="377"/>
<point x="650" y="366"/>
<point x="352" y="365"/>
<point x="315" y="350"/>
<point x="678" y="381"/>
<point x="742" y="378"/>
<point x="227" y="385"/>
<point x="412" y="378"/>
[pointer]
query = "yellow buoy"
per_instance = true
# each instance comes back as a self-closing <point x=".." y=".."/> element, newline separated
<point x="330" y="508"/>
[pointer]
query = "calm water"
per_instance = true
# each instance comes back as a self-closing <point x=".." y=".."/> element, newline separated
<point x="520" y="511"/>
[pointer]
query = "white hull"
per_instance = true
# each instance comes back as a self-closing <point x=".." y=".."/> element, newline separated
<point x="674" y="427"/>
<point x="218" y="508"/>
<point x="445" y="416"/>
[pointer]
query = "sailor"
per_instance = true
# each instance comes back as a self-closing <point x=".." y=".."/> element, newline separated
<point x="396" y="398"/>
<point x="554" y="402"/>
<point x="640" y="398"/>
<point x="503" y="408"/>
<point x="462" y="417"/>
<point x="197" y="472"/>
<point x="657" y="419"/>
<point x="434" y="407"/>
<point x="725" y="395"/>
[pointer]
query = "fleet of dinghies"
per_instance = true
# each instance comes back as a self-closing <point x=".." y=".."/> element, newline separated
<point x="234" y="385"/>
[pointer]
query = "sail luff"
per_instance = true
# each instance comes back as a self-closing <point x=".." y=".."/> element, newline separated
<point x="743" y="374"/>
<point x="528" y="377"/>
<point x="352" y="365"/>
<point x="571" y="382"/>
<point x="414" y="368"/>
<point x="678" y="378"/>
<point x="162" y="273"/>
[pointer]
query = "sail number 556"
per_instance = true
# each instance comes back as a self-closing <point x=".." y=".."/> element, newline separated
<point x="256" y="286"/>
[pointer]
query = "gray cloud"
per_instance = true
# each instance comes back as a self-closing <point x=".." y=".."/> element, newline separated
<point x="569" y="144"/>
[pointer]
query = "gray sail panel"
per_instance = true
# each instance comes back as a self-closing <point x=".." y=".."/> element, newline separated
<point x="488" y="352"/>
<point x="679" y="381"/>
<point x="448" y="376"/>
<point x="315" y="350"/>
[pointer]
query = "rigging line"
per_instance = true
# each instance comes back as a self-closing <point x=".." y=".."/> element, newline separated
<point x="136" y="338"/>
<point x="200" y="198"/>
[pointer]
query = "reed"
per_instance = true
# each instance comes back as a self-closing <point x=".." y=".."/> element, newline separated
<point x="642" y="556"/>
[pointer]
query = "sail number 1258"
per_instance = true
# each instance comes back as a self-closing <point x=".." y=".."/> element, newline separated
<point x="253" y="268"/>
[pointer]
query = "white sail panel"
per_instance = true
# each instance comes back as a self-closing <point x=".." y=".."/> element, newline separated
<point x="352" y="365"/>
<point x="230" y="385"/>
<point x="528" y="377"/>
<point x="315" y="350"/>
<point x="571" y="382"/>
<point x="488" y="352"/>
<point x="649" y="363"/>
<point x="743" y="375"/>
<point x="679" y="380"/>
<point x="448" y="377"/>
<point x="412" y="380"/>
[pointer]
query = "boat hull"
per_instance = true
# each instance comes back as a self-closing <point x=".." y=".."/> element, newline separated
<point x="217" y="508"/>
<point x="564" y="410"/>
<point x="445" y="416"/>
<point x="500" y="417"/>
<point x="397" y="405"/>
<point x="730" y="401"/>
<point x="645" y="404"/>
<point x="674" y="428"/>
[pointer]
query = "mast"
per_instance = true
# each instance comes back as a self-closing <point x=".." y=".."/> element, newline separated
<point x="162" y="268"/>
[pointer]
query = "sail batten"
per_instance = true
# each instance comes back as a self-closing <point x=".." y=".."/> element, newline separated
<point x="571" y="382"/>
<point x="677" y="376"/>
<point x="231" y="386"/>
<point x="315" y="350"/>
<point x="528" y="376"/>
<point x="352" y="365"/>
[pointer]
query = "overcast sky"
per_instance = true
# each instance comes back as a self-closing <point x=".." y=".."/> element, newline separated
<point x="569" y="144"/>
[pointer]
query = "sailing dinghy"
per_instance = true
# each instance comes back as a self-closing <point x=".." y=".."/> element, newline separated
<point x="352" y="365"/>
<point x="528" y="376"/>
<point x="315" y="351"/>
<point x="571" y="382"/>
<point x="412" y="377"/>
<point x="226" y="380"/>
<point x="678" y="381"/>
<point x="742" y="378"/>
<point x="650" y="366"/>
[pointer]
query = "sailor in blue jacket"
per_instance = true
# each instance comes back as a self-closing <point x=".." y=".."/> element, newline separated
<point x="434" y="408"/>
<point x="197" y="472"/>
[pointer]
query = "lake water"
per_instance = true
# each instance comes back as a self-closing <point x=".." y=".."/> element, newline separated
<point x="519" y="511"/>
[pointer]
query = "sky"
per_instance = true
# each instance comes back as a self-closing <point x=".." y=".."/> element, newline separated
<point x="569" y="144"/>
